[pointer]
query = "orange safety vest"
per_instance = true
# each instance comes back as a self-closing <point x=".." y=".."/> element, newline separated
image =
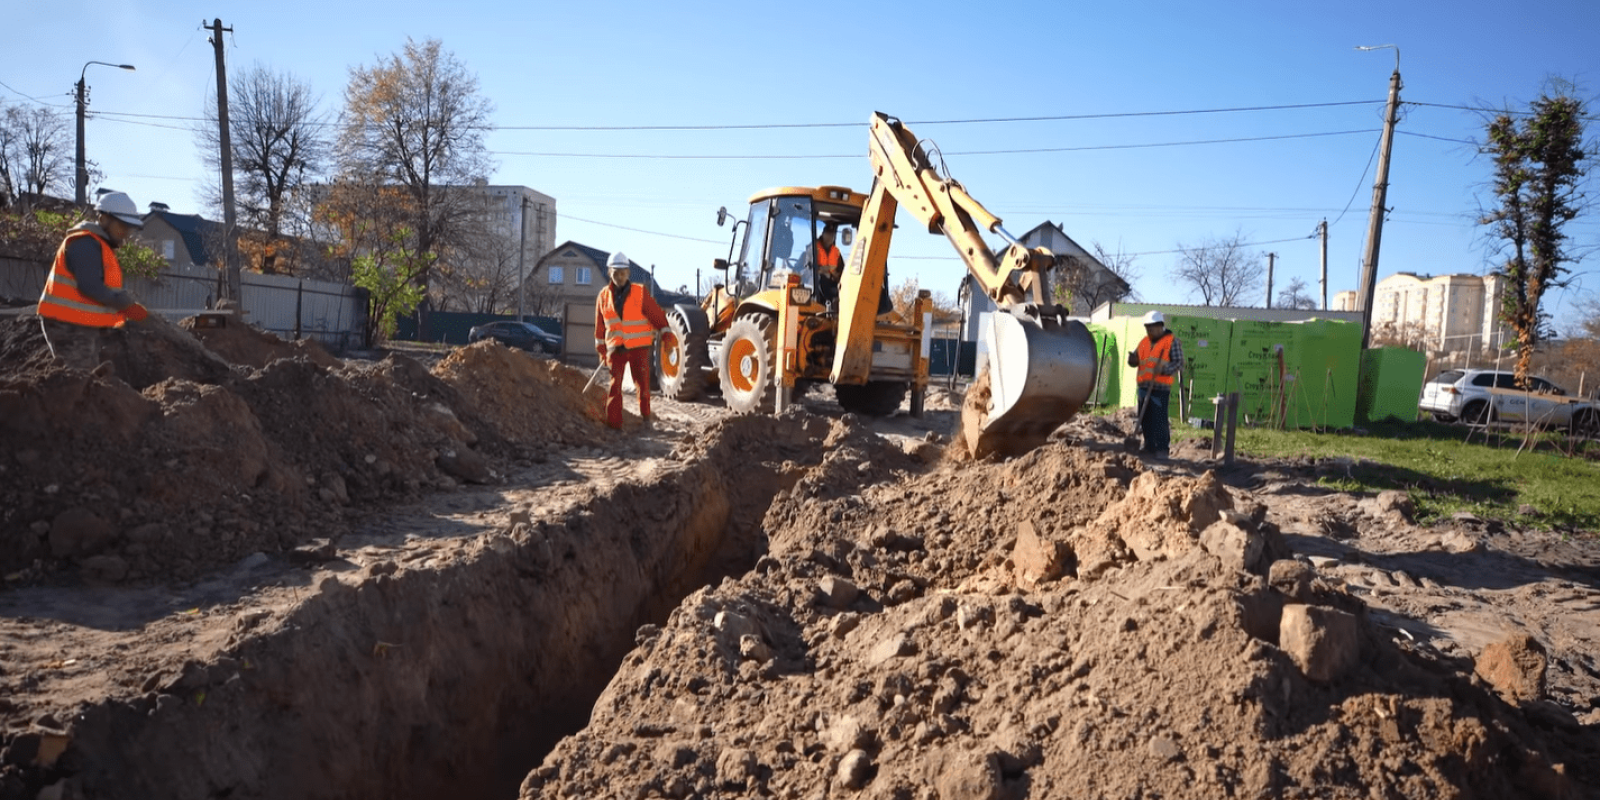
<point x="827" y="258"/>
<point x="62" y="300"/>
<point x="630" y="329"/>
<point x="1149" y="356"/>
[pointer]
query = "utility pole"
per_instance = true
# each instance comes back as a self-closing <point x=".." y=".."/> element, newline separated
<point x="522" y="252"/>
<point x="1322" y="232"/>
<point x="230" y="247"/>
<point x="80" y="97"/>
<point x="1271" y="259"/>
<point x="1380" y="195"/>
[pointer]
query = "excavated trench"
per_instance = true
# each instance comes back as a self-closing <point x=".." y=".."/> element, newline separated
<point x="450" y="674"/>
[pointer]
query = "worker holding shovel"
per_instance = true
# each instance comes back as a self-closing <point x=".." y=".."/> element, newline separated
<point x="1158" y="359"/>
<point x="626" y="319"/>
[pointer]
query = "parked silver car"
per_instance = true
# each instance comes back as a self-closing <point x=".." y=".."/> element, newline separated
<point x="1478" y="396"/>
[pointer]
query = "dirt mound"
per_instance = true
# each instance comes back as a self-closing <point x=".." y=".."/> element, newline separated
<point x="179" y="461"/>
<point x="527" y="399"/>
<point x="245" y="345"/>
<point x="1055" y="626"/>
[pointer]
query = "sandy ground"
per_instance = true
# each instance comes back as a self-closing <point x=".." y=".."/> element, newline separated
<point x="257" y="575"/>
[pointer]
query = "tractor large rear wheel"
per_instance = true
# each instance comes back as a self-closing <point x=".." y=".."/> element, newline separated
<point x="746" y="367"/>
<point x="873" y="398"/>
<point x="684" y="359"/>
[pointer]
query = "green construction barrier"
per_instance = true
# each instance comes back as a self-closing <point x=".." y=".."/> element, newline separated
<point x="1109" y="363"/>
<point x="1206" y="342"/>
<point x="1325" y="368"/>
<point x="1391" y="384"/>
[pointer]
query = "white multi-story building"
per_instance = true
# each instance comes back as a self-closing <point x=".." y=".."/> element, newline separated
<point x="1445" y="313"/>
<point x="522" y="212"/>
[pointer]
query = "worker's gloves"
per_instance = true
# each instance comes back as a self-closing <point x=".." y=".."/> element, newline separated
<point x="1133" y="359"/>
<point x="136" y="313"/>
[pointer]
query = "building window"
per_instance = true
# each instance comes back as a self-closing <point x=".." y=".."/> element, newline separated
<point x="169" y="249"/>
<point x="556" y="275"/>
<point x="585" y="276"/>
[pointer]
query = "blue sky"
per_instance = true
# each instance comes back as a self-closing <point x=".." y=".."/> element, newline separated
<point x="1133" y="180"/>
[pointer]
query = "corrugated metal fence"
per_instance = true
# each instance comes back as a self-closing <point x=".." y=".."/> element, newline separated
<point x="332" y="313"/>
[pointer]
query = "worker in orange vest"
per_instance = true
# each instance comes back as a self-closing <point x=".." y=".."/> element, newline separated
<point x="826" y="263"/>
<point x="626" y="318"/>
<point x="83" y="295"/>
<point x="1158" y="359"/>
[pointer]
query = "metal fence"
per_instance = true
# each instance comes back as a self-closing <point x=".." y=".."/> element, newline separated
<point x="334" y="314"/>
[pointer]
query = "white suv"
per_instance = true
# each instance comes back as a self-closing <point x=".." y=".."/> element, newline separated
<point x="1477" y="396"/>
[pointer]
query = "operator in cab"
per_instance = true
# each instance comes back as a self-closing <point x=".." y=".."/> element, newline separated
<point x="825" y="263"/>
<point x="1158" y="360"/>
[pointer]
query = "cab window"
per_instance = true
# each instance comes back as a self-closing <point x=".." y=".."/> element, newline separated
<point x="1485" y="379"/>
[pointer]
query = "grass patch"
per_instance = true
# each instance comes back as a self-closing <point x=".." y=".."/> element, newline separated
<point x="1444" y="474"/>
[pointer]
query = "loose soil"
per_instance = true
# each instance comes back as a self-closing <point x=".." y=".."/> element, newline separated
<point x="239" y="567"/>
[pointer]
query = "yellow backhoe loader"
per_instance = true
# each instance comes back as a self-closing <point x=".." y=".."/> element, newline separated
<point x="779" y="323"/>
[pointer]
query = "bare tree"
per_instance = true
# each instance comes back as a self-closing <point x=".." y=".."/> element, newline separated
<point x="1296" y="295"/>
<point x="38" y="150"/>
<point x="1082" y="285"/>
<point x="415" y="120"/>
<point x="1221" y="270"/>
<point x="279" y="147"/>
<point x="1539" y="166"/>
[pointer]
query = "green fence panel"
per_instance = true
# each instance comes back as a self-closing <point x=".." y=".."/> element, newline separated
<point x="1108" y="358"/>
<point x="1391" y="384"/>
<point x="1206" y="342"/>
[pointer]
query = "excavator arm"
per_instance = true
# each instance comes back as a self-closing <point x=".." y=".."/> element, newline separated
<point x="1041" y="365"/>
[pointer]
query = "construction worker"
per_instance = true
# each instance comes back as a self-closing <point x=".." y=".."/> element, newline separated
<point x="824" y="261"/>
<point x="83" y="296"/>
<point x="1158" y="358"/>
<point x="626" y="318"/>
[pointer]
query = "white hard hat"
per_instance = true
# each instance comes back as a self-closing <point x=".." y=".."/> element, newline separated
<point x="120" y="205"/>
<point x="617" y="261"/>
<point x="1154" y="318"/>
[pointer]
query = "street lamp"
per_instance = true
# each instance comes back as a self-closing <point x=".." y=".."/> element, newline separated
<point x="82" y="98"/>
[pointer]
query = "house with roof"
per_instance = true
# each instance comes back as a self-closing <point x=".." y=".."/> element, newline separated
<point x="181" y="239"/>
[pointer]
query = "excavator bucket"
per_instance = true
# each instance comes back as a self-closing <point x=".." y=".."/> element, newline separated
<point x="1040" y="372"/>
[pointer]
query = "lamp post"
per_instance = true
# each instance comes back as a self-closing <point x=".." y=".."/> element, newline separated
<point x="82" y="98"/>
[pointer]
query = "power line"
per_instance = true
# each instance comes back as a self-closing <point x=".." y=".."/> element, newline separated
<point x="1081" y="148"/>
<point x="566" y="216"/>
<point x="1053" y="118"/>
<point x="1485" y="109"/>
<point x="35" y="99"/>
<point x="792" y="125"/>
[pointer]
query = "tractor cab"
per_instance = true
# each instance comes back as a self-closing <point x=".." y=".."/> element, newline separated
<point x="780" y="238"/>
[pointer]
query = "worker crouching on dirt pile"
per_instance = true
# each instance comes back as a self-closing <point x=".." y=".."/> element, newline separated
<point x="83" y="296"/>
<point x="1157" y="359"/>
<point x="626" y="319"/>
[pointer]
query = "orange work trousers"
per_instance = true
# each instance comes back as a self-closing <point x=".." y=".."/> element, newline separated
<point x="638" y="360"/>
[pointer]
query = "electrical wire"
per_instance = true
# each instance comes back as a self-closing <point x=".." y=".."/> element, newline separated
<point x="564" y="217"/>
<point x="793" y="125"/>
<point x="1029" y="150"/>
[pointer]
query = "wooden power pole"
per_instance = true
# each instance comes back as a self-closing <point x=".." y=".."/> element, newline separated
<point x="230" y="235"/>
<point x="1380" y="195"/>
<point x="1322" y="233"/>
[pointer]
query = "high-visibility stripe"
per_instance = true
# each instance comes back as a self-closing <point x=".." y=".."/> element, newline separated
<point x="61" y="299"/>
<point x="1149" y="355"/>
<point x="629" y="329"/>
